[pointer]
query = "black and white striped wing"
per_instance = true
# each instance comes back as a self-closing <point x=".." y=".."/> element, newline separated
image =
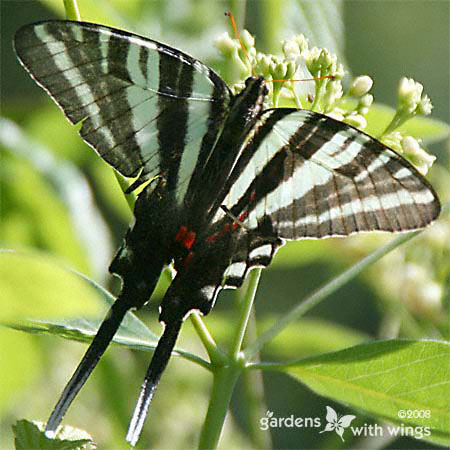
<point x="313" y="177"/>
<point x="141" y="103"/>
<point x="305" y="175"/>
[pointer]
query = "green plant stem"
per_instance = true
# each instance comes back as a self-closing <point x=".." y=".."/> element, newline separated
<point x="223" y="385"/>
<point x="72" y="11"/>
<point x="398" y="119"/>
<point x="253" y="396"/>
<point x="271" y="22"/>
<point x="227" y="372"/>
<point x="238" y="8"/>
<point x="323" y="292"/>
<point x="245" y="311"/>
<point x="320" y="92"/>
<point x="216" y="355"/>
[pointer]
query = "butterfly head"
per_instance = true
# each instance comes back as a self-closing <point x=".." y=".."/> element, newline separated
<point x="257" y="83"/>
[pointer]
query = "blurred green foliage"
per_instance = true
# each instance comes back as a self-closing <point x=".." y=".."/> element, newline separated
<point x="61" y="207"/>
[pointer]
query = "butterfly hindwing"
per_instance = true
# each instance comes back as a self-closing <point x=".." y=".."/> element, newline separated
<point x="146" y="108"/>
<point x="254" y="251"/>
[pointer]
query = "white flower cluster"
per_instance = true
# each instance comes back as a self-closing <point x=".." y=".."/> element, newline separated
<point x="410" y="97"/>
<point x="324" y="92"/>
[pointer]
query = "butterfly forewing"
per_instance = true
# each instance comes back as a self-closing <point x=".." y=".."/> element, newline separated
<point x="312" y="177"/>
<point x="146" y="108"/>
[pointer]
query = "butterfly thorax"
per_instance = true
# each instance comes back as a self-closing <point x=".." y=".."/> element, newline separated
<point x="244" y="112"/>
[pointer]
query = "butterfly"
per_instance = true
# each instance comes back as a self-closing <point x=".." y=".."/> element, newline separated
<point x="224" y="182"/>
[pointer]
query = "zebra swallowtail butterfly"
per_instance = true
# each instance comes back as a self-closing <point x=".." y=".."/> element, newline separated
<point x="230" y="181"/>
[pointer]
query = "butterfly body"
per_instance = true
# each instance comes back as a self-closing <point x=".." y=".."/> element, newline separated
<point x="166" y="231"/>
<point x="225" y="182"/>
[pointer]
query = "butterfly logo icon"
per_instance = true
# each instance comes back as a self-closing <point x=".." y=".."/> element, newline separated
<point x="336" y="422"/>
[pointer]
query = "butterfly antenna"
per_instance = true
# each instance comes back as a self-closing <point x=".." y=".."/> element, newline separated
<point x="157" y="365"/>
<point x="98" y="346"/>
<point x="238" y="36"/>
<point x="331" y="77"/>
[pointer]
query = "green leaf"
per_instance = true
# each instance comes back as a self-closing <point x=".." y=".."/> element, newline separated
<point x="37" y="285"/>
<point x="385" y="377"/>
<point x="22" y="364"/>
<point x="30" y="435"/>
<point x="133" y="333"/>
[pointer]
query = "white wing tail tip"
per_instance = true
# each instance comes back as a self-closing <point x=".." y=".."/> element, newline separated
<point x="50" y="434"/>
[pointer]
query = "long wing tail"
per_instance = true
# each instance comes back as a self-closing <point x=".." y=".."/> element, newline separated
<point x="157" y="365"/>
<point x="98" y="346"/>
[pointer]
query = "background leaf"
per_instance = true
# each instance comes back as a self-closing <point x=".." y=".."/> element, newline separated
<point x="30" y="435"/>
<point x="40" y="286"/>
<point x="132" y="333"/>
<point x="384" y="377"/>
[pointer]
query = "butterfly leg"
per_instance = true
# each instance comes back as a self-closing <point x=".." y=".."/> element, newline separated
<point x="157" y="365"/>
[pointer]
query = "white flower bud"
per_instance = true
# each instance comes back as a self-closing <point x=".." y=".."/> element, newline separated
<point x="302" y="43"/>
<point x="225" y="44"/>
<point x="393" y="140"/>
<point x="247" y="39"/>
<point x="238" y="87"/>
<point x="263" y="63"/>
<point x="409" y="88"/>
<point x="360" y="86"/>
<point x="356" y="120"/>
<point x="422" y="160"/>
<point x="290" y="49"/>
<point x="251" y="53"/>
<point x="409" y="94"/>
<point x="410" y="145"/>
<point x="336" y="114"/>
<point x="366" y="100"/>
<point x="311" y="60"/>
<point x="339" y="73"/>
<point x="278" y="70"/>
<point x="425" y="106"/>
<point x="290" y="70"/>
<point x="427" y="161"/>
<point x="333" y="92"/>
<point x="428" y="297"/>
